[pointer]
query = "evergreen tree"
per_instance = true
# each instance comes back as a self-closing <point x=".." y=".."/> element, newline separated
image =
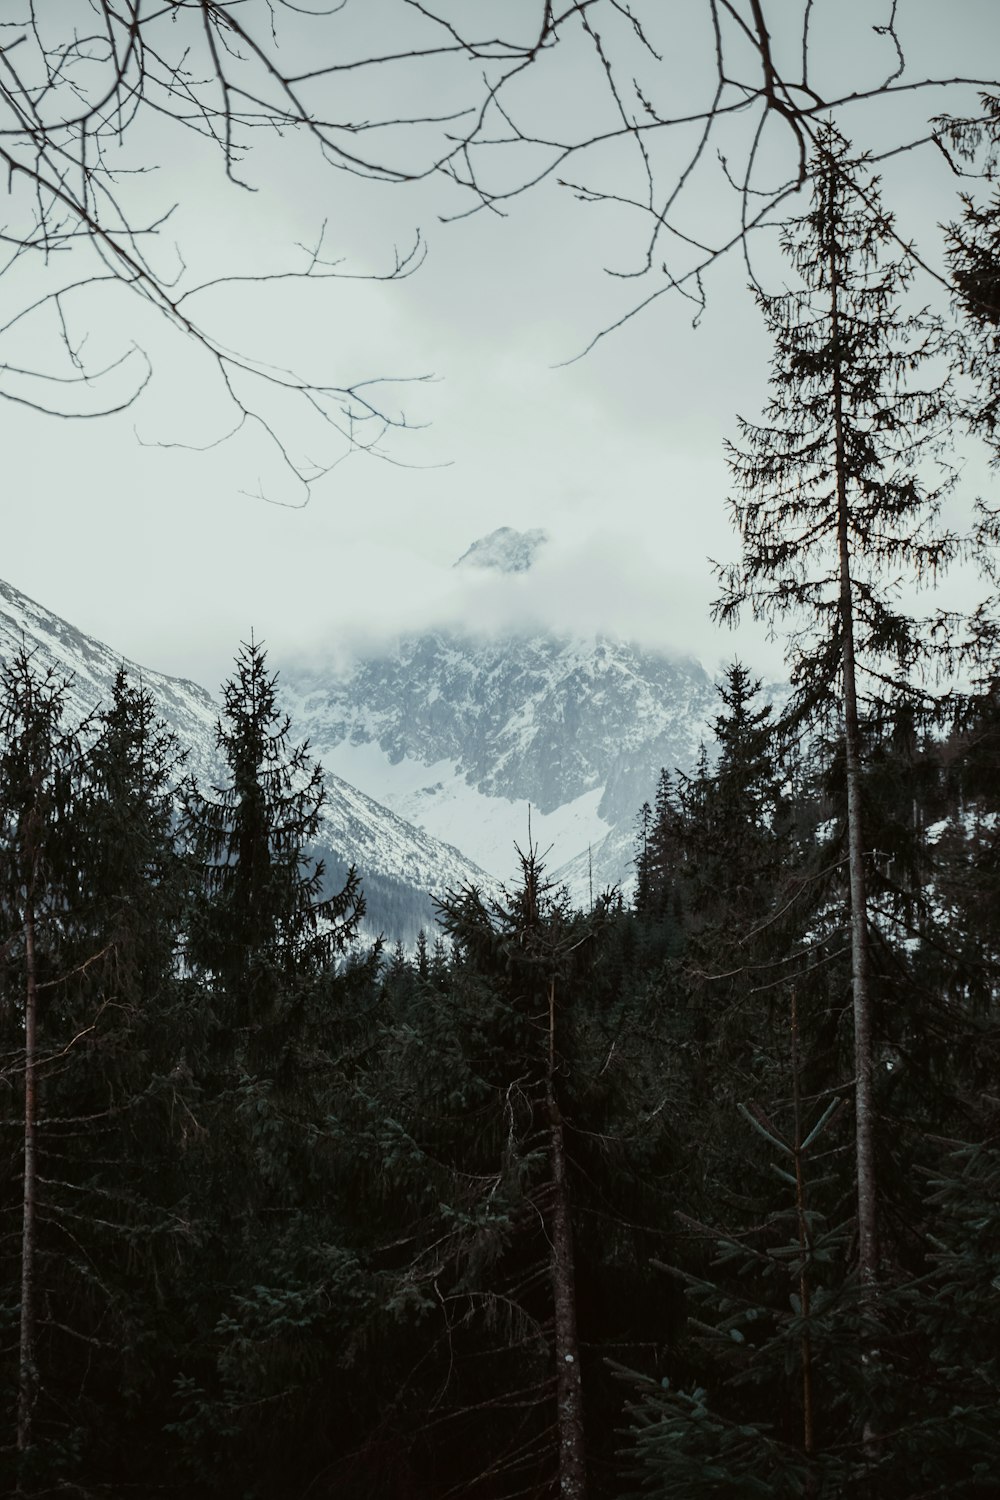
<point x="39" y="767"/>
<point x="521" y="1125"/>
<point x="522" y="946"/>
<point x="835" y="503"/>
<point x="125" y="1094"/>
<point x="643" y="860"/>
<point x="761" y="1269"/>
<point x="423" y="962"/>
<point x="101" y="887"/>
<point x="731" y="831"/>
<point x="974" y="263"/>
<point x="663" y="859"/>
<point x="280" y="1281"/>
<point x="135" y="879"/>
<point x="261" y="920"/>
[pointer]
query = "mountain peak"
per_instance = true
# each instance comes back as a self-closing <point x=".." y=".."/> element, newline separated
<point x="505" y="550"/>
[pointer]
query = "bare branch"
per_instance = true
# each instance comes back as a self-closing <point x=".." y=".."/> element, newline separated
<point x="485" y="112"/>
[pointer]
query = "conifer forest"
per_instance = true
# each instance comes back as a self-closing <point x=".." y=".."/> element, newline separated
<point x="690" y="1193"/>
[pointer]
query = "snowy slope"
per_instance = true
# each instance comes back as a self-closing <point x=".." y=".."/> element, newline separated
<point x="438" y="797"/>
<point x="399" y="863"/>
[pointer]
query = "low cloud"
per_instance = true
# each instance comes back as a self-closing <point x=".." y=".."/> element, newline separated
<point x="600" y="583"/>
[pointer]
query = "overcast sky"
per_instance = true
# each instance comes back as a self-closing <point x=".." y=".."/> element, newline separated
<point x="165" y="553"/>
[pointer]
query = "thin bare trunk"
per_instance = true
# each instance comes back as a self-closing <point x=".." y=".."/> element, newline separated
<point x="28" y="1376"/>
<point x="804" y="1245"/>
<point x="569" y="1387"/>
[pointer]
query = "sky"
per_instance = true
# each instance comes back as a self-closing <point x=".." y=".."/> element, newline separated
<point x="172" y="555"/>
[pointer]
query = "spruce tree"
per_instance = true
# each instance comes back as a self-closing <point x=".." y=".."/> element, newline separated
<point x="101" y="889"/>
<point x="126" y="1097"/>
<point x="39" y="778"/>
<point x="835" y="502"/>
<point x="731" y="832"/>
<point x="521" y="1127"/>
<point x="523" y="946"/>
<point x="973" y="243"/>
<point x="135" y="880"/>
<point x="261" y="920"/>
<point x="735" y="1409"/>
<point x="265" y="949"/>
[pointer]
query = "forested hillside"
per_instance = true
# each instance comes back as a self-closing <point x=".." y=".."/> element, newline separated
<point x="694" y="1196"/>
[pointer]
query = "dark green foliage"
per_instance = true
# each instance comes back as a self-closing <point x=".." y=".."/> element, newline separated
<point x="96" y="866"/>
<point x="858" y="406"/>
<point x="973" y="245"/>
<point x="460" y="1142"/>
<point x="678" y="1446"/>
<point x="276" y="1267"/>
<point x="766" y="1260"/>
<point x="262" y="918"/>
<point x="39" y="888"/>
<point x="40" y="774"/>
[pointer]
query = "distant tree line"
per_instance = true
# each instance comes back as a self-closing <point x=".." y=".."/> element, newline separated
<point x="697" y="1194"/>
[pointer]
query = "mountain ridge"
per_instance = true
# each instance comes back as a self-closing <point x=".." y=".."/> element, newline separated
<point x="463" y="731"/>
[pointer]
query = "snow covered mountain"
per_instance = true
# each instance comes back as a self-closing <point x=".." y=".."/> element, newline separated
<point x="400" y="864"/>
<point x="463" y="734"/>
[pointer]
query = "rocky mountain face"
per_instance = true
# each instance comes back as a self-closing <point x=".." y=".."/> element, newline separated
<point x="400" y="864"/>
<point x="462" y="734"/>
<point x="540" y="719"/>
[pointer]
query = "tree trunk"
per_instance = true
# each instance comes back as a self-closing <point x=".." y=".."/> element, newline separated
<point x="864" y="1094"/>
<point x="28" y="1367"/>
<point x="569" y="1387"/>
<point x="864" y="1105"/>
<point x="805" y="1248"/>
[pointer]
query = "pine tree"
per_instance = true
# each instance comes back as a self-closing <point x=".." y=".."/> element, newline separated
<point x="125" y="1101"/>
<point x="974" y="262"/>
<point x="748" y="1261"/>
<point x="423" y="962"/>
<point x="135" y="881"/>
<point x="643" y="860"/>
<point x="732" y="836"/>
<point x="278" y="1264"/>
<point x="528" y="940"/>
<point x="262" y="920"/>
<point x="103" y="891"/>
<point x="663" y="858"/>
<point x="519" y="1125"/>
<point x="835" y="504"/>
<point x="39" y="769"/>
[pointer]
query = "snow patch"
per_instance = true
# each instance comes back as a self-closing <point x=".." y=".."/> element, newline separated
<point x="437" y="798"/>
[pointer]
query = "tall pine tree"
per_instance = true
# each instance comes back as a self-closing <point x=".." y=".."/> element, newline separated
<point x="834" y="504"/>
<point x="261" y="920"/>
